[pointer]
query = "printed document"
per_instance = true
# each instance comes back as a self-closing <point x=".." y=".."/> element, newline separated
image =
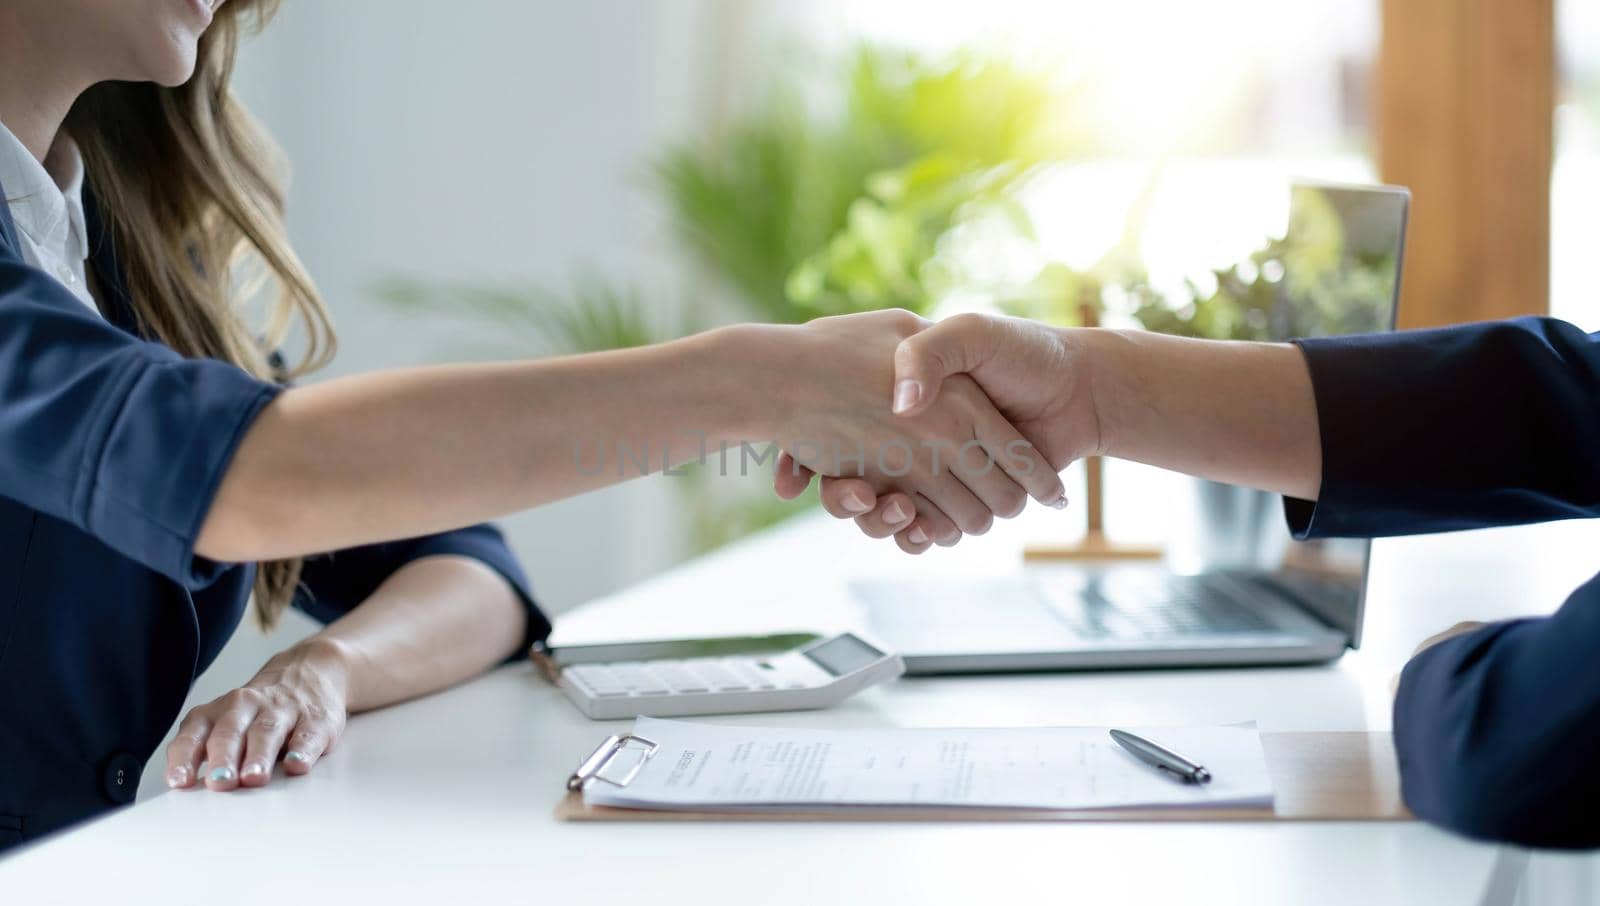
<point x="722" y="768"/>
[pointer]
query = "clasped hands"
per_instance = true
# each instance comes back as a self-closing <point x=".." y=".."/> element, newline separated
<point x="976" y="414"/>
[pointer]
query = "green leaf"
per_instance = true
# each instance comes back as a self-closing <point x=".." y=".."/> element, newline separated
<point x="594" y="316"/>
<point x="837" y="202"/>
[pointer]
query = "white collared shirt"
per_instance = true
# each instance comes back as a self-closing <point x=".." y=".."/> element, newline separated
<point x="47" y="207"/>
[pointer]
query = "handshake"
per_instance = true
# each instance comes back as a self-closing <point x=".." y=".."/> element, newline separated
<point x="926" y="431"/>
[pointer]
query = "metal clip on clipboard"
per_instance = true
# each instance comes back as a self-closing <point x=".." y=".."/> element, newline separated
<point x="593" y="767"/>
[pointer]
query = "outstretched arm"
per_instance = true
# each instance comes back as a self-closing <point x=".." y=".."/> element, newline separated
<point x="1238" y="412"/>
<point x="183" y="464"/>
<point x="410" y="452"/>
<point x="1418" y="431"/>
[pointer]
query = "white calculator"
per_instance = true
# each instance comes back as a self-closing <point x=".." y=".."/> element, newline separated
<point x="741" y="674"/>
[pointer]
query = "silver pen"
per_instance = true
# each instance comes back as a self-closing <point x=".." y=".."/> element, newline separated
<point x="1161" y="758"/>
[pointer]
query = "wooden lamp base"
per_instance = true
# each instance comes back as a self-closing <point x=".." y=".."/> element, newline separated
<point x="1095" y="544"/>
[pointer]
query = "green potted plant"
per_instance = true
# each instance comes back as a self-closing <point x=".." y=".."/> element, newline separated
<point x="810" y="203"/>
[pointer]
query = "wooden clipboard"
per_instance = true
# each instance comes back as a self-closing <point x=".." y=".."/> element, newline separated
<point x="1339" y="776"/>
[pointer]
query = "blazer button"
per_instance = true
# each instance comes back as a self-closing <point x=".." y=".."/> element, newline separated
<point x="121" y="778"/>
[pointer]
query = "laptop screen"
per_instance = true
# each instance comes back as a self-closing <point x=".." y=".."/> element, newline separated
<point x="1336" y="271"/>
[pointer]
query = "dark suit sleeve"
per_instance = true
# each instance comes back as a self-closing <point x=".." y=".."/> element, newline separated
<point x="332" y="585"/>
<point x="120" y="437"/>
<point x="1498" y="731"/>
<point x="1461" y="427"/>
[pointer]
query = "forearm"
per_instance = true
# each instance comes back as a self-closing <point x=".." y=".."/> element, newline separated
<point x="434" y="623"/>
<point x="1242" y="413"/>
<point x="410" y="452"/>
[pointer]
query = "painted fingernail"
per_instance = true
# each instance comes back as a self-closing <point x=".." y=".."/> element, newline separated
<point x="178" y="777"/>
<point x="295" y="756"/>
<point x="855" y="503"/>
<point x="1060" y="503"/>
<point x="220" y="775"/>
<point x="906" y="394"/>
<point x="917" y="535"/>
<point x="895" y="513"/>
<point x="254" y="769"/>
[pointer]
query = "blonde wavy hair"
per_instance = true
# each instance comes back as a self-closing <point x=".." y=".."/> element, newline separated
<point x="191" y="191"/>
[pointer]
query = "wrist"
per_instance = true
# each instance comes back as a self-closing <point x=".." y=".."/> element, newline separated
<point x="1095" y="381"/>
<point x="335" y="660"/>
<point x="751" y="367"/>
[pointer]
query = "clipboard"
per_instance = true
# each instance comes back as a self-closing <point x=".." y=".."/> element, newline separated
<point x="1324" y="776"/>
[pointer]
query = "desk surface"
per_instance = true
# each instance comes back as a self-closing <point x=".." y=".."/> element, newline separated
<point x="449" y="799"/>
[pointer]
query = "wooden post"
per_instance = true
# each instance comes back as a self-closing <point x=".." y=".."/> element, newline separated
<point x="1464" y="110"/>
<point x="1095" y="545"/>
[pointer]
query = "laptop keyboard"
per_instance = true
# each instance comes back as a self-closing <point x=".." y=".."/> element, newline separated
<point x="1135" y="605"/>
<point x="1044" y="611"/>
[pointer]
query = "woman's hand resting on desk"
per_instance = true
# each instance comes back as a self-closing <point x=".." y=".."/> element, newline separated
<point x="435" y="622"/>
<point x="295" y="707"/>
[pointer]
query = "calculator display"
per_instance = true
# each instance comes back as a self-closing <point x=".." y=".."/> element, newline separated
<point x="845" y="654"/>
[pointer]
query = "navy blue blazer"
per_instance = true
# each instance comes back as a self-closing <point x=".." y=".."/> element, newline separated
<point x="111" y="448"/>
<point x="1498" y="731"/>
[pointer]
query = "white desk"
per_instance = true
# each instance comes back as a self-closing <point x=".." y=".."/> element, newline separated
<point x="448" y="799"/>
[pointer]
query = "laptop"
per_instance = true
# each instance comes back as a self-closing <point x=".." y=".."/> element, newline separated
<point x="1258" y="597"/>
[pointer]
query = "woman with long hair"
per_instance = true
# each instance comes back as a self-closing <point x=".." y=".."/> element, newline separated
<point x="158" y="470"/>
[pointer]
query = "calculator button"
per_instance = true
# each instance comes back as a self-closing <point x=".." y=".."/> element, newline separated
<point x="721" y="678"/>
<point x="753" y="678"/>
<point x="682" y="679"/>
<point x="641" y="679"/>
<point x="598" y="680"/>
<point x="789" y="679"/>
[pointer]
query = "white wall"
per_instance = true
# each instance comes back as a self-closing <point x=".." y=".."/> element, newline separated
<point x="480" y="140"/>
<point x="487" y="141"/>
